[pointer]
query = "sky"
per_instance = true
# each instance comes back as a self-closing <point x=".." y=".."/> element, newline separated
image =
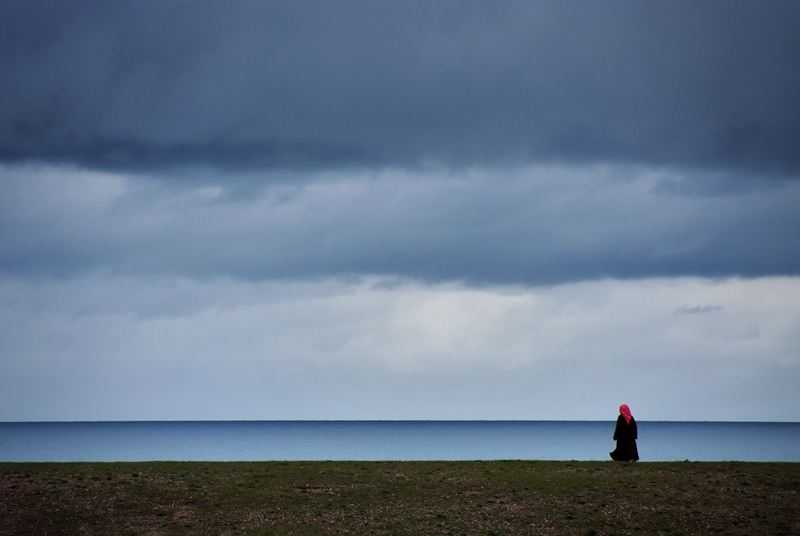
<point x="399" y="210"/>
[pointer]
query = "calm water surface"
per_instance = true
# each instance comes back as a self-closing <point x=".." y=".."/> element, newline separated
<point x="391" y="440"/>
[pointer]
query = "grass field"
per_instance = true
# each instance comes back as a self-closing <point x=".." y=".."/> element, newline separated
<point x="503" y="497"/>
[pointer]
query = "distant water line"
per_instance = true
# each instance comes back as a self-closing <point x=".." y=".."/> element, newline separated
<point x="391" y="440"/>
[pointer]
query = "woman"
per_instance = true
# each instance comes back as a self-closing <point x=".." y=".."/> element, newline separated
<point x="625" y="435"/>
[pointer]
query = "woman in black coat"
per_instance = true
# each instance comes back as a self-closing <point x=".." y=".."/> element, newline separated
<point x="625" y="435"/>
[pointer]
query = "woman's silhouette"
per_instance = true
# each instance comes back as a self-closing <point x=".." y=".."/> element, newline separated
<point x="625" y="434"/>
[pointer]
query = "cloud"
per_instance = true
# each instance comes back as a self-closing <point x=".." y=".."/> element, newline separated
<point x="398" y="210"/>
<point x="173" y="348"/>
<point x="685" y="309"/>
<point x="154" y="86"/>
<point x="531" y="226"/>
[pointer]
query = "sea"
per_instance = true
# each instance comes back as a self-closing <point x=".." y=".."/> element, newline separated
<point x="391" y="440"/>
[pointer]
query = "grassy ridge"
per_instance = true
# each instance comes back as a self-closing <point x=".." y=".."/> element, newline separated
<point x="503" y="497"/>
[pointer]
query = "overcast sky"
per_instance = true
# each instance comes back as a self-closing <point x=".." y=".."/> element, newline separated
<point x="399" y="210"/>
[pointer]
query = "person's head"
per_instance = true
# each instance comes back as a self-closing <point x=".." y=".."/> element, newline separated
<point x="625" y="411"/>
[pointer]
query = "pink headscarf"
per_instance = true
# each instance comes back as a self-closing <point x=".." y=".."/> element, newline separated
<point x="625" y="411"/>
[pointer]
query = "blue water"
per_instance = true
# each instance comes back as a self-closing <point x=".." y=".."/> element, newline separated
<point x="391" y="440"/>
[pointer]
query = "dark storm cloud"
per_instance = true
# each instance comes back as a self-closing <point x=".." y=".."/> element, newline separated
<point x="155" y="85"/>
<point x="541" y="227"/>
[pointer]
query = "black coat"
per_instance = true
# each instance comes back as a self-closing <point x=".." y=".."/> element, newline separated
<point x="625" y="435"/>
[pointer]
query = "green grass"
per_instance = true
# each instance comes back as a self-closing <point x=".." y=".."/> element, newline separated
<point x="414" y="498"/>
